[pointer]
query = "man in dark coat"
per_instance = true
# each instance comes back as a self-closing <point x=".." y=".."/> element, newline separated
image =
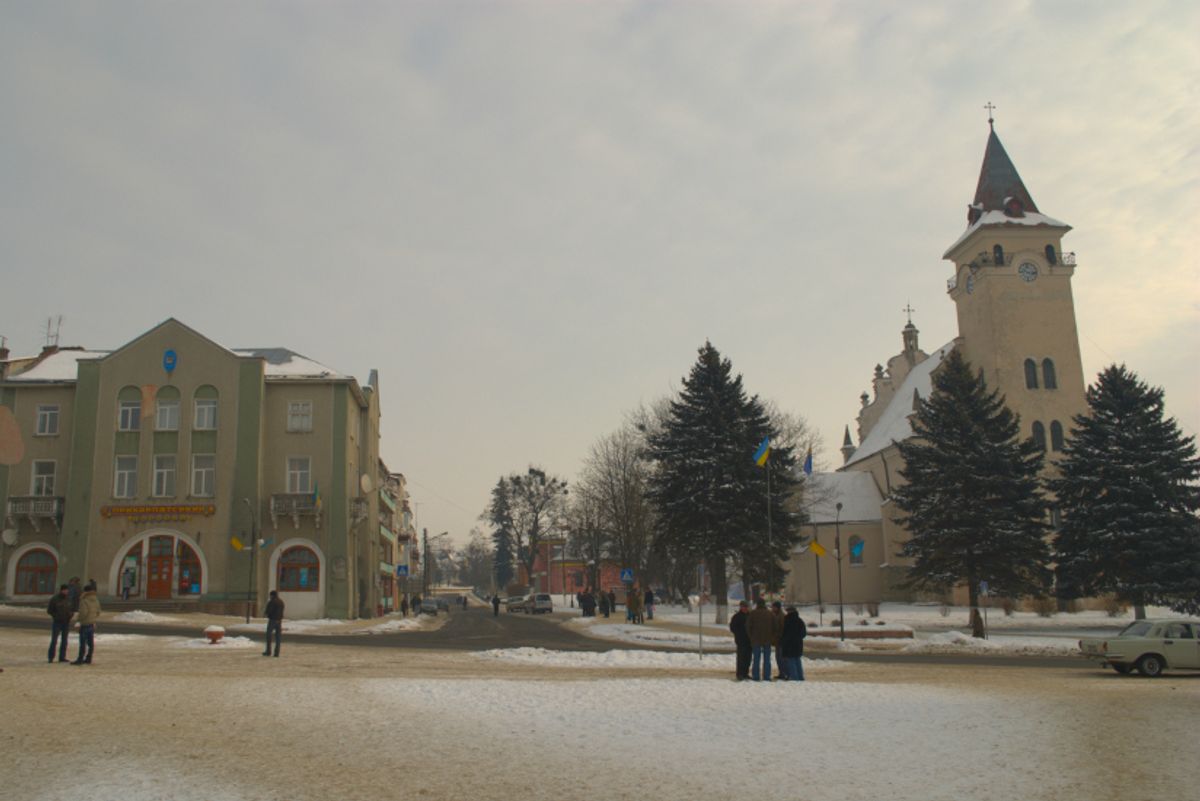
<point x="495" y="605"/>
<point x="761" y="628"/>
<point x="274" y="613"/>
<point x="60" y="614"/>
<point x="741" y="639"/>
<point x="791" y="645"/>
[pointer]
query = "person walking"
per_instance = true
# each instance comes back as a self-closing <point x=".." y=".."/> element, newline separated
<point x="60" y="626"/>
<point x="777" y="617"/>
<point x="612" y="602"/>
<point x="761" y="627"/>
<point x="791" y="644"/>
<point x="495" y="605"/>
<point x="404" y="606"/>
<point x="274" y="613"/>
<point x="648" y="602"/>
<point x="127" y="581"/>
<point x="604" y="603"/>
<point x="741" y="639"/>
<point x="89" y="613"/>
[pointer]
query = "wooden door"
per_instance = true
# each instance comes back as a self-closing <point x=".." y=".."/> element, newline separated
<point x="159" y="567"/>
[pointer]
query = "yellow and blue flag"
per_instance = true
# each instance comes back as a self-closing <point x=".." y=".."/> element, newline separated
<point x="817" y="548"/>
<point x="808" y="463"/>
<point x="763" y="452"/>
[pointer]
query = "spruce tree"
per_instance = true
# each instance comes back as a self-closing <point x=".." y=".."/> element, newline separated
<point x="1129" y="497"/>
<point x="971" y="500"/>
<point x="710" y="497"/>
<point x="499" y="515"/>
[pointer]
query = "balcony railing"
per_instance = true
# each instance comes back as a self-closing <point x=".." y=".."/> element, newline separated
<point x="295" y="505"/>
<point x="35" y="509"/>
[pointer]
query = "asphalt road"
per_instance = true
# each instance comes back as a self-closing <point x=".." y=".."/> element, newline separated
<point x="476" y="629"/>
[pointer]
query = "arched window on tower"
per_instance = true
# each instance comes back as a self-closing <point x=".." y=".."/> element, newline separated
<point x="998" y="255"/>
<point x="1039" y="435"/>
<point x="856" y="550"/>
<point x="1056" y="436"/>
<point x="1050" y="379"/>
<point x="1031" y="374"/>
<point x="1051" y="256"/>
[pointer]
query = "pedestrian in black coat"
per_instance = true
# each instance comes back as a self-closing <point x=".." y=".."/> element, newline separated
<point x="60" y="614"/>
<point x="791" y="644"/>
<point x="274" y="613"/>
<point x="741" y="639"/>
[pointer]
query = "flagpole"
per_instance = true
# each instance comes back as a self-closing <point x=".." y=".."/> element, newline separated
<point x="817" y="562"/>
<point x="770" y="543"/>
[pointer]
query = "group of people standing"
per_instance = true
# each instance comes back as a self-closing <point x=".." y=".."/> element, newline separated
<point x="590" y="601"/>
<point x="82" y="605"/>
<point x="759" y="633"/>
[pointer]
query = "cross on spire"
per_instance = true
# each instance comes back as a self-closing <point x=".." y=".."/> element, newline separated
<point x="990" y="108"/>
<point x="908" y="309"/>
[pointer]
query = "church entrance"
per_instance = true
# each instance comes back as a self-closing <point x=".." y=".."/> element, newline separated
<point x="160" y="567"/>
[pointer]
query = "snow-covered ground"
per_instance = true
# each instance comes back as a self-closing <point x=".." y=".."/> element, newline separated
<point x="153" y="720"/>
<point x="723" y="662"/>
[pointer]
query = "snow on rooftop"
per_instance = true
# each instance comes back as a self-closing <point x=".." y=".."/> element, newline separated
<point x="996" y="217"/>
<point x="62" y="365"/>
<point x="856" y="491"/>
<point x="893" y="424"/>
<point x="284" y="363"/>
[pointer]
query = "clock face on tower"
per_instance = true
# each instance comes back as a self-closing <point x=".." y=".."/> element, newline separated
<point x="1028" y="271"/>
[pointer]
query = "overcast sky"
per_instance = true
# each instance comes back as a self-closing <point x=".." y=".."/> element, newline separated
<point x="529" y="216"/>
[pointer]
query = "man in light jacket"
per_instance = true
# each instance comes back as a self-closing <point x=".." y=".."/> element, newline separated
<point x="89" y="613"/>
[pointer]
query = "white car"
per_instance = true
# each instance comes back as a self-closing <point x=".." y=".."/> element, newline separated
<point x="1150" y="646"/>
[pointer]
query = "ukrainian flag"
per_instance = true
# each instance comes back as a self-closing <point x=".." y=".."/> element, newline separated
<point x="817" y="548"/>
<point x="763" y="452"/>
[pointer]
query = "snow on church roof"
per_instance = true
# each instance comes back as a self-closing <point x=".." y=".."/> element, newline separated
<point x="994" y="218"/>
<point x="893" y="424"/>
<point x="855" y="490"/>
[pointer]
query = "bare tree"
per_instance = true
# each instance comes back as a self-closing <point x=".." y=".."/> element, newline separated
<point x="538" y="505"/>
<point x="614" y="483"/>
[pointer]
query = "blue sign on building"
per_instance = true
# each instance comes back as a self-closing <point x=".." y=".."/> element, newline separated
<point x="401" y="571"/>
<point x="627" y="575"/>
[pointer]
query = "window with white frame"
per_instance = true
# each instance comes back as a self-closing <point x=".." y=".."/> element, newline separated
<point x="299" y="474"/>
<point x="167" y="418"/>
<point x="299" y="416"/>
<point x="125" y="477"/>
<point x="47" y="420"/>
<point x="43" y="478"/>
<point x="206" y="414"/>
<point x="164" y="475"/>
<point x="129" y="415"/>
<point x="204" y="475"/>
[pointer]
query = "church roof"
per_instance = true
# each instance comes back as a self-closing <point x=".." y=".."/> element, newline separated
<point x="893" y="425"/>
<point x="999" y="181"/>
<point x="856" y="491"/>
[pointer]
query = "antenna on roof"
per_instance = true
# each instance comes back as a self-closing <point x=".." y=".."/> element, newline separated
<point x="990" y="108"/>
<point x="53" y="328"/>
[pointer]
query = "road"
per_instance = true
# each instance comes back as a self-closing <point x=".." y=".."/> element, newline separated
<point x="476" y="629"/>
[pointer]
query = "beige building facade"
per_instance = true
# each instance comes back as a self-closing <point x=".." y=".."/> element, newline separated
<point x="178" y="471"/>
<point x="1011" y="286"/>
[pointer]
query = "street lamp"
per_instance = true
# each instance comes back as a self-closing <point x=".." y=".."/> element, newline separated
<point x="837" y="552"/>
<point x="253" y="552"/>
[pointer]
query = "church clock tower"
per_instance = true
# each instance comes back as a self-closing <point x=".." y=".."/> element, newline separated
<point x="1016" y="314"/>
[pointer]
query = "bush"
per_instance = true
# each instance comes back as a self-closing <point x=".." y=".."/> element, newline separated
<point x="1044" y="606"/>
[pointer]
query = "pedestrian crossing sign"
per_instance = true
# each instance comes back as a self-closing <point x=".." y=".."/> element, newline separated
<point x="627" y="575"/>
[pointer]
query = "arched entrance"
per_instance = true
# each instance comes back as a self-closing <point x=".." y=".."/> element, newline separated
<point x="298" y="573"/>
<point x="33" y="571"/>
<point x="160" y="565"/>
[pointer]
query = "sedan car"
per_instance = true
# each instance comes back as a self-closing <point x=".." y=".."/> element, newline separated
<point x="514" y="603"/>
<point x="1150" y="646"/>
<point x="428" y="607"/>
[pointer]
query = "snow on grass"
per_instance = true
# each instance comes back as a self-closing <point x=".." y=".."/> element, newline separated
<point x="630" y="659"/>
<point x="392" y="626"/>
<point x="114" y="639"/>
<point x="227" y="643"/>
<point x="628" y="632"/>
<point x="140" y="616"/>
<point x="316" y="626"/>
<point x="956" y="642"/>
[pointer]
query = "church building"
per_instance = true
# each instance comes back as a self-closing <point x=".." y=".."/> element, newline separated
<point x="1011" y="286"/>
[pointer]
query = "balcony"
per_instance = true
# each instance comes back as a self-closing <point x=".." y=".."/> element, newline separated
<point x="36" y="509"/>
<point x="295" y="505"/>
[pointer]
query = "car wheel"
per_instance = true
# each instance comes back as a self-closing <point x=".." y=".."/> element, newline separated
<point x="1151" y="666"/>
<point x="1122" y="669"/>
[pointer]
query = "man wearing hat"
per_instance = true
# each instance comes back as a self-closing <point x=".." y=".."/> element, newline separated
<point x="737" y="625"/>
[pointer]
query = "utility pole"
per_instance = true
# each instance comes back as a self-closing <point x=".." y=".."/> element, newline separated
<point x="425" y="569"/>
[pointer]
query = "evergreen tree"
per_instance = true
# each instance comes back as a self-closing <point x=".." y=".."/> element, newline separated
<point x="1129" y="497"/>
<point x="971" y="500"/>
<point x="709" y="495"/>
<point x="499" y="515"/>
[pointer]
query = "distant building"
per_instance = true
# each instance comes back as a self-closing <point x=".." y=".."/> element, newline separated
<point x="1016" y="322"/>
<point x="162" y="466"/>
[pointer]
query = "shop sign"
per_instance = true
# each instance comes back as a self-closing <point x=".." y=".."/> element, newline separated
<point x="144" y="512"/>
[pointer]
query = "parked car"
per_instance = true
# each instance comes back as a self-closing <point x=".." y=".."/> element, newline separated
<point x="1150" y="646"/>
<point x="514" y="603"/>
<point x="539" y="602"/>
<point x="442" y="603"/>
<point x="428" y="607"/>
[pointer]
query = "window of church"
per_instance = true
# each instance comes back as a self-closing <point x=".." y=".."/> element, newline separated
<point x="998" y="255"/>
<point x="1039" y="435"/>
<point x="1031" y="380"/>
<point x="1050" y="379"/>
<point x="1056" y="436"/>
<point x="856" y="551"/>
<point x="1051" y="256"/>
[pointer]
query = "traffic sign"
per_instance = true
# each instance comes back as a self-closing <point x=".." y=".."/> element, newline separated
<point x="983" y="588"/>
<point x="401" y="571"/>
<point x="627" y="575"/>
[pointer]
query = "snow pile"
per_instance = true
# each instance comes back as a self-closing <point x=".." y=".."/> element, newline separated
<point x="226" y="642"/>
<point x="630" y="659"/>
<point x="139" y="616"/>
<point x="392" y="626"/>
<point x="956" y="642"/>
<point x="627" y="632"/>
<point x="113" y="639"/>
<point x="317" y="626"/>
<point x="5" y="609"/>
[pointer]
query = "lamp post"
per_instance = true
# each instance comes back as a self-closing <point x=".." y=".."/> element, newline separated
<point x="837" y="552"/>
<point x="253" y="553"/>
